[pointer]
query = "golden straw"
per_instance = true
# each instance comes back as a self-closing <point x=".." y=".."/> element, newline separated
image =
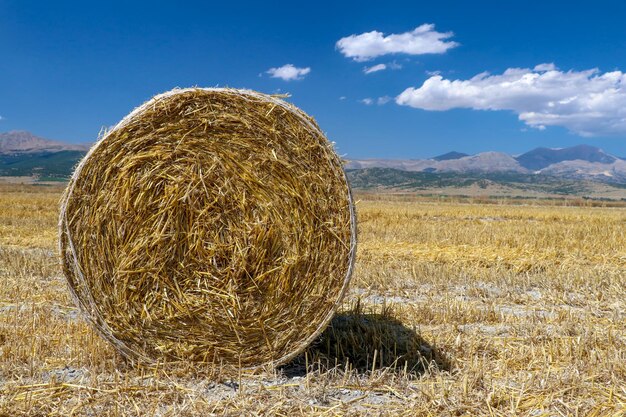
<point x="213" y="225"/>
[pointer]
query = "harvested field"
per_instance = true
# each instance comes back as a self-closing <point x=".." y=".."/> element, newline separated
<point x="455" y="308"/>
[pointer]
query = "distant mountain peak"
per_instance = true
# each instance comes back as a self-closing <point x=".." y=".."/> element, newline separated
<point x="450" y="155"/>
<point x="540" y="158"/>
<point x="24" y="142"/>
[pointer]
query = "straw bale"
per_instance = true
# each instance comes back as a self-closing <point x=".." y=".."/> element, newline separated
<point x="211" y="225"/>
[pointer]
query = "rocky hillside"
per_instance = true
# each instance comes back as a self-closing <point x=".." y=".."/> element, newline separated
<point x="541" y="158"/>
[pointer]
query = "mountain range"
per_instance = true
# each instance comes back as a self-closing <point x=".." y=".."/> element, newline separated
<point x="25" y="154"/>
<point x="577" y="162"/>
<point x="22" y="142"/>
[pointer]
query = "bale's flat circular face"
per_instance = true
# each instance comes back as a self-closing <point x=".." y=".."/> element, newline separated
<point x="211" y="225"/>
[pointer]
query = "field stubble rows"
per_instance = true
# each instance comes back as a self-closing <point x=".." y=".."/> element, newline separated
<point x="454" y="309"/>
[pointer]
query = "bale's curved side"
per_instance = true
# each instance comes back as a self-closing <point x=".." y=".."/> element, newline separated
<point x="213" y="225"/>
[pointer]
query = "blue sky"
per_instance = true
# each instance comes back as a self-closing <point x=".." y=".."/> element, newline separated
<point x="555" y="68"/>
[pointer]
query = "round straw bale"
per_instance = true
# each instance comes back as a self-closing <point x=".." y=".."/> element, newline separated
<point x="212" y="225"/>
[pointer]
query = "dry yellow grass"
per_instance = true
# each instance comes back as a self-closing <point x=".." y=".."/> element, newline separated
<point x="490" y="310"/>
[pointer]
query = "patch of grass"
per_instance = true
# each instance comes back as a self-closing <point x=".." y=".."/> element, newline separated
<point x="48" y="166"/>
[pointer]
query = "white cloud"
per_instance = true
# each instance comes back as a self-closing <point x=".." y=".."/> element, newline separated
<point x="288" y="72"/>
<point x="587" y="102"/>
<point x="343" y="98"/>
<point x="423" y="39"/>
<point x="368" y="101"/>
<point x="545" y="67"/>
<point x="381" y="67"/>
<point x="375" y="68"/>
<point x="1" y="118"/>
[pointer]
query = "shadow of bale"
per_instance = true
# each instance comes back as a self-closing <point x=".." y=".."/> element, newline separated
<point x="364" y="341"/>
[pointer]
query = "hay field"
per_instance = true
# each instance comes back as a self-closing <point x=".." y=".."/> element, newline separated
<point x="489" y="309"/>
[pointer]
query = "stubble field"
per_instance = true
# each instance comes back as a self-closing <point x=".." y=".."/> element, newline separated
<point x="456" y="308"/>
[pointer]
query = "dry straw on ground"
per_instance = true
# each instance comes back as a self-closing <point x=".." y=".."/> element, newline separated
<point x="213" y="225"/>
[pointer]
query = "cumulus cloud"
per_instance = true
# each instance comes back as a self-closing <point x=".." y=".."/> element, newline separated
<point x="423" y="39"/>
<point x="288" y="72"/>
<point x="383" y="100"/>
<point x="368" y="101"/>
<point x="588" y="102"/>
<point x="375" y="68"/>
